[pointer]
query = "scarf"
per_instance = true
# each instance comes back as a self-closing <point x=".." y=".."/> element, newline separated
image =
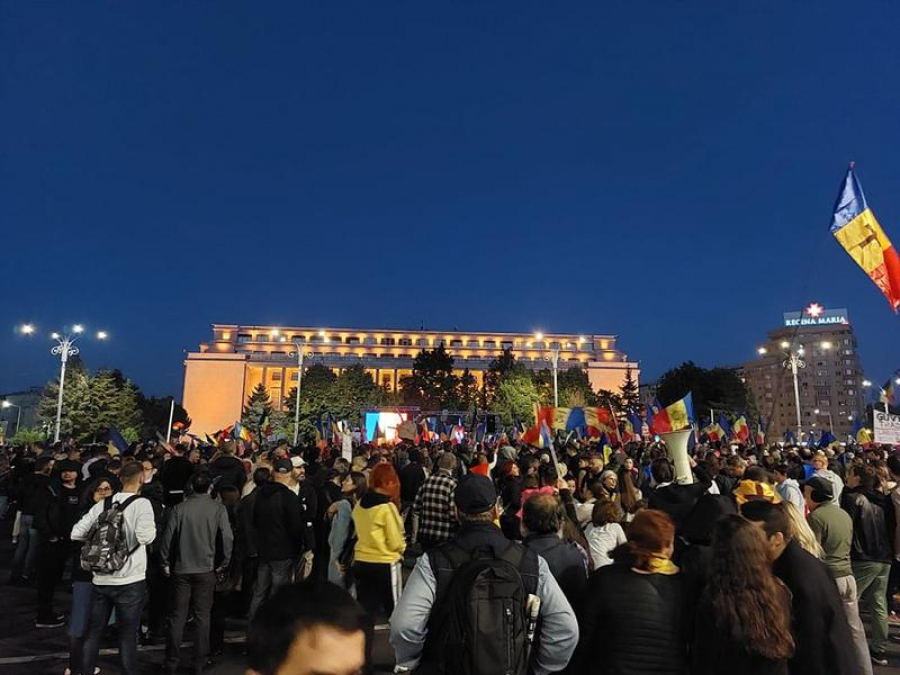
<point x="660" y="565"/>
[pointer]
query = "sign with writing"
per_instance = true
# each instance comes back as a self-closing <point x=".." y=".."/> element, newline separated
<point x="816" y="315"/>
<point x="887" y="428"/>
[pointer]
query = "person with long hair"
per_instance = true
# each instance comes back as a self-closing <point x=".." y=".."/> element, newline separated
<point x="380" y="542"/>
<point x="743" y="621"/>
<point x="630" y="497"/>
<point x="632" y="616"/>
<point x="353" y="487"/>
<point x="82" y="587"/>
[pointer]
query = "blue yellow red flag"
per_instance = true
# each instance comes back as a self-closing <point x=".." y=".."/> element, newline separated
<point x="855" y="227"/>
<point x="679" y="415"/>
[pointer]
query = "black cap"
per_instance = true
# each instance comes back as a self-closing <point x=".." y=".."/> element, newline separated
<point x="822" y="489"/>
<point x="475" y="494"/>
<point x="282" y="466"/>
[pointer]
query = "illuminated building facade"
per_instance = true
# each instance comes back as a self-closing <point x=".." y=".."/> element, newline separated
<point x="830" y="381"/>
<point x="219" y="377"/>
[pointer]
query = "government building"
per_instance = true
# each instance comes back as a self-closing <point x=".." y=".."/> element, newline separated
<point x="219" y="377"/>
<point x="829" y="375"/>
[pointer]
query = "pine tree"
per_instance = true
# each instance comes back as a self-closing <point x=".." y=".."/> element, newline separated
<point x="629" y="393"/>
<point x="432" y="385"/>
<point x="76" y="409"/>
<point x="259" y="405"/>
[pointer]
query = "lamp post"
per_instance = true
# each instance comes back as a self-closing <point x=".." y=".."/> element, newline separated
<point x="554" y="361"/>
<point x="301" y="355"/>
<point x="7" y="404"/>
<point x="64" y="348"/>
<point x="830" y="420"/>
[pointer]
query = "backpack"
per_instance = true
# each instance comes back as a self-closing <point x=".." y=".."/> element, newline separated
<point x="105" y="548"/>
<point x="479" y="624"/>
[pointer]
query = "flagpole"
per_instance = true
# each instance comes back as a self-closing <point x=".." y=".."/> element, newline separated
<point x="171" y="417"/>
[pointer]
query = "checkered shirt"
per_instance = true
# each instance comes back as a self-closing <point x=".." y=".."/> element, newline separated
<point x="434" y="505"/>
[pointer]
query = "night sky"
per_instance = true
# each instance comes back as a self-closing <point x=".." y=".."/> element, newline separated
<point x="663" y="171"/>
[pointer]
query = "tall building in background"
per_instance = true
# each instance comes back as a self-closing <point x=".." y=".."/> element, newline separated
<point x="219" y="377"/>
<point x="830" y="379"/>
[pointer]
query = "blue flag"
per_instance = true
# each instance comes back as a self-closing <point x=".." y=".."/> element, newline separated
<point x="826" y="439"/>
<point x="726" y="426"/>
<point x="118" y="442"/>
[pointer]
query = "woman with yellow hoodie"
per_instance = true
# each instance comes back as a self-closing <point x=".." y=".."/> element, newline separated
<point x="380" y="542"/>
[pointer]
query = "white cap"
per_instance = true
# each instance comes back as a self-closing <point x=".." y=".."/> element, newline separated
<point x="296" y="461"/>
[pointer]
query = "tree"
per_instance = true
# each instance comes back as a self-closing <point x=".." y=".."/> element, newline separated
<point x="92" y="405"/>
<point x="499" y="368"/>
<point x="28" y="438"/>
<point x="515" y="396"/>
<point x="468" y="391"/>
<point x="629" y="394"/>
<point x="432" y="384"/>
<point x="155" y="413"/>
<point x="316" y="398"/>
<point x="76" y="410"/>
<point x="717" y="388"/>
<point x="258" y="406"/>
<point x="575" y="388"/>
<point x="353" y="391"/>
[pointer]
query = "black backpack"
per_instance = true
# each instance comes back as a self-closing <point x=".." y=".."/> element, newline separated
<point x="479" y="624"/>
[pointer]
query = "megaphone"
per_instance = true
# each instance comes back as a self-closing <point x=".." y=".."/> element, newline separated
<point x="677" y="442"/>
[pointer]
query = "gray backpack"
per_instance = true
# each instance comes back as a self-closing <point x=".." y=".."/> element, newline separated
<point x="105" y="549"/>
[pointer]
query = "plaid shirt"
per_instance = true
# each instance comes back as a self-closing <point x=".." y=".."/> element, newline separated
<point x="435" y="508"/>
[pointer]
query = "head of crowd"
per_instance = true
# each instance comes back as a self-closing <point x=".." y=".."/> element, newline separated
<point x="612" y="559"/>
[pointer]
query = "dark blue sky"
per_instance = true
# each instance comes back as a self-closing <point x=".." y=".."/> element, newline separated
<point x="664" y="171"/>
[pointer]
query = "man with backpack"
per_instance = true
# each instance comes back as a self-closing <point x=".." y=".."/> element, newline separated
<point x="116" y="533"/>
<point x="472" y="605"/>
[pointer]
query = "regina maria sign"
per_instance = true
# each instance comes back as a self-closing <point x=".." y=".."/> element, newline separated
<point x="816" y="315"/>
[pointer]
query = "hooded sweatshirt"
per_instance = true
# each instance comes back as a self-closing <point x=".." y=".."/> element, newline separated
<point x="379" y="530"/>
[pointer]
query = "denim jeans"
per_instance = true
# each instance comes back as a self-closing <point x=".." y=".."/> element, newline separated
<point x="271" y="575"/>
<point x="128" y="601"/>
<point x="26" y="550"/>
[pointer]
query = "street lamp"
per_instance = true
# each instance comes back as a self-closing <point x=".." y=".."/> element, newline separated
<point x="7" y="404"/>
<point x="554" y="361"/>
<point x="301" y="355"/>
<point x="830" y="420"/>
<point x="64" y="348"/>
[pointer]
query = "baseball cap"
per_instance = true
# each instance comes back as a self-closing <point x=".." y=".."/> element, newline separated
<point x="296" y="461"/>
<point x="822" y="489"/>
<point x="475" y="494"/>
<point x="282" y="466"/>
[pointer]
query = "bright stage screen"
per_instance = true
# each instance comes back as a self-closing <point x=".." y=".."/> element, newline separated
<point x="386" y="422"/>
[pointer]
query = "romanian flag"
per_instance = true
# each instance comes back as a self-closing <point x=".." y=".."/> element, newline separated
<point x="715" y="432"/>
<point x="320" y="431"/>
<point x="636" y="424"/>
<point x="856" y="229"/>
<point x="679" y="415"/>
<point x="741" y="429"/>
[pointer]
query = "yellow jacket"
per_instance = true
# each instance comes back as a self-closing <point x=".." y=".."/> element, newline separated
<point x="379" y="530"/>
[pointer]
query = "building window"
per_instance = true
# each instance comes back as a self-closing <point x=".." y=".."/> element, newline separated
<point x="456" y="343"/>
<point x="405" y="342"/>
<point x="390" y="342"/>
<point x="851" y="392"/>
<point x="276" y="376"/>
<point x="506" y="344"/>
<point x="490" y="344"/>
<point x="244" y="338"/>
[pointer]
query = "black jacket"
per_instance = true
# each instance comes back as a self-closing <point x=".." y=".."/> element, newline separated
<point x="565" y="561"/>
<point x="632" y="624"/>
<point x="175" y="474"/>
<point x="873" y="524"/>
<point x="821" y="632"/>
<point x="56" y="510"/>
<point x="279" y="522"/>
<point x="411" y="478"/>
<point x="228" y="470"/>
<point x="245" y="534"/>
<point x="31" y="486"/>
<point x="677" y="500"/>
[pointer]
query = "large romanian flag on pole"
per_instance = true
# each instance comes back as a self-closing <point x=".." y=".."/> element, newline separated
<point x="856" y="229"/>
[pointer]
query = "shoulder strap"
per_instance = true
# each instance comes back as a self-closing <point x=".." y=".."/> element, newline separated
<point x="107" y="503"/>
<point x="125" y="504"/>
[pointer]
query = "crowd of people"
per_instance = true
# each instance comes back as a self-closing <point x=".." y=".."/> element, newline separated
<point x="575" y="560"/>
